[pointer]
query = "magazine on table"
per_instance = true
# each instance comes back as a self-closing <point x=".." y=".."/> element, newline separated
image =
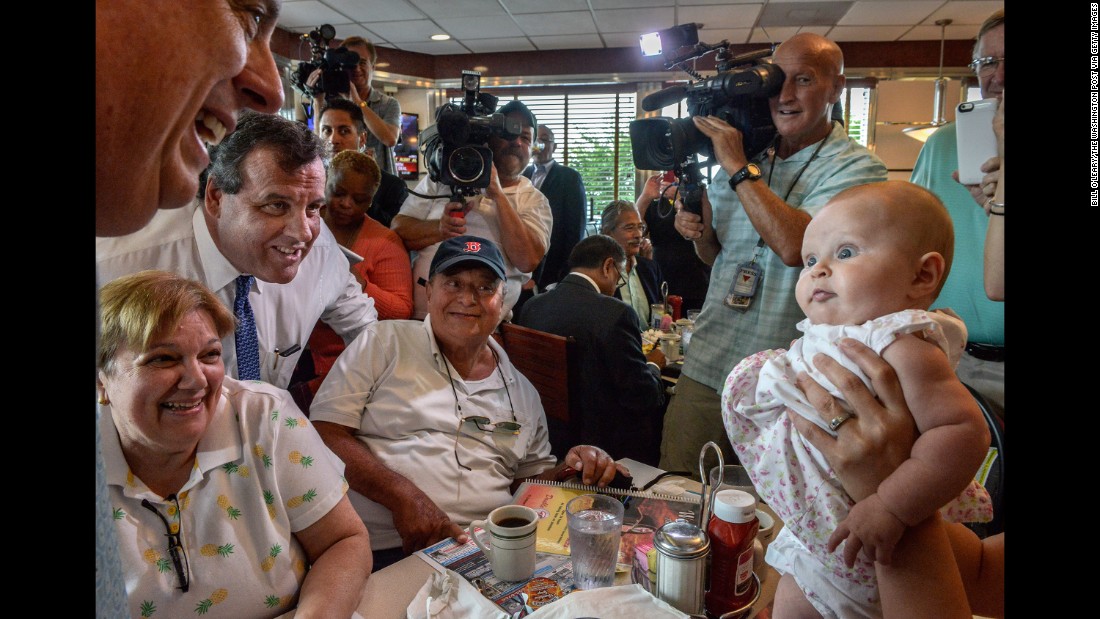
<point x="644" y="513"/>
<point x="553" y="577"/>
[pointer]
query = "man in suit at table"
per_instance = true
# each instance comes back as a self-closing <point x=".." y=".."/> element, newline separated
<point x="564" y="188"/>
<point x="620" y="387"/>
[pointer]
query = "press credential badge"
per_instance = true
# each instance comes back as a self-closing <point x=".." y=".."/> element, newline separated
<point x="745" y="285"/>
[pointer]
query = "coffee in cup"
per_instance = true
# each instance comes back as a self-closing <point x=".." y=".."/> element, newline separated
<point x="511" y="548"/>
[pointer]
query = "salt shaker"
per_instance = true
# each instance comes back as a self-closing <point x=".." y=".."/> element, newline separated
<point x="682" y="550"/>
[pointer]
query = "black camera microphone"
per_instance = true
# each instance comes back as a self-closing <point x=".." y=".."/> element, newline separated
<point x="663" y="98"/>
<point x="453" y="124"/>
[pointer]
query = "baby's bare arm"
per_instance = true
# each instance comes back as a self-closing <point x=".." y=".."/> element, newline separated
<point x="953" y="437"/>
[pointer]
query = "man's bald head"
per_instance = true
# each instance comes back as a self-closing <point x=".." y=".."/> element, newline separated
<point x="825" y="53"/>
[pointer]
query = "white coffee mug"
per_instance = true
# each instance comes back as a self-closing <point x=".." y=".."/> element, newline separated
<point x="767" y="527"/>
<point x="511" y="549"/>
<point x="670" y="346"/>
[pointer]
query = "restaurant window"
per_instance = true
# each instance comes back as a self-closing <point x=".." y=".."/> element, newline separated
<point x="857" y="110"/>
<point x="592" y="129"/>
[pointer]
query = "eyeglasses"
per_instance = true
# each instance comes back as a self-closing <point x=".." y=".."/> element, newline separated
<point x="481" y="422"/>
<point x="986" y="65"/>
<point x="486" y="425"/>
<point x="175" y="544"/>
<point x="632" y="227"/>
<point x="622" y="280"/>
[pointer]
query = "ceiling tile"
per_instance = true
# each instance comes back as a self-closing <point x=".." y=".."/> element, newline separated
<point x="344" y="31"/>
<point x="867" y="33"/>
<point x="634" y="20"/>
<point x="573" y="41"/>
<point x="519" y="7"/>
<point x="684" y="3"/>
<point x="569" y="23"/>
<point x="803" y="13"/>
<point x="932" y="33"/>
<point x="600" y="5"/>
<point x="439" y="9"/>
<point x="776" y="35"/>
<point x="435" y="47"/>
<point x="371" y="11"/>
<point x="488" y="46"/>
<point x="485" y="27"/>
<point x="965" y="12"/>
<point x="304" y="16"/>
<point x="888" y="13"/>
<point x="407" y="31"/>
<point x="736" y="16"/>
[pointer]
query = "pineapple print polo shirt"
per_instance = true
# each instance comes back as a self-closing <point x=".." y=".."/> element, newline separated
<point x="261" y="473"/>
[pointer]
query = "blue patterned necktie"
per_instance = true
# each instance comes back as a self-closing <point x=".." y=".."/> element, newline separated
<point x="248" y="347"/>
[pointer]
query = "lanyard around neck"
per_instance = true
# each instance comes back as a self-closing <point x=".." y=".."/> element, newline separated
<point x="772" y="154"/>
<point x="771" y="169"/>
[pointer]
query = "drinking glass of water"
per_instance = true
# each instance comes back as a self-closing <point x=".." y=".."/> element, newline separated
<point x="595" y="526"/>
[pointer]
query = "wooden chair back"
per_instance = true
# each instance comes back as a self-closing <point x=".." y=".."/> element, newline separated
<point x="544" y="358"/>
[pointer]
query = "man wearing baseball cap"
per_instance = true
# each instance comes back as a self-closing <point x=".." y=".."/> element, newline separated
<point x="432" y="420"/>
<point x="510" y="212"/>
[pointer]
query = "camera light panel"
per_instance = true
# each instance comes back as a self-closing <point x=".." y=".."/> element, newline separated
<point x="650" y="44"/>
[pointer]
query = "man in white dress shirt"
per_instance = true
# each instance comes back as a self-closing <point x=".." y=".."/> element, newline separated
<point x="260" y="216"/>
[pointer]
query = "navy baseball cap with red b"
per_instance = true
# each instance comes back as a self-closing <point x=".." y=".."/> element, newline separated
<point x="467" y="249"/>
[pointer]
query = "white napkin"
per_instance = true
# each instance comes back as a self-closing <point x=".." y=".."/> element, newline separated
<point x="447" y="595"/>
<point x="621" y="602"/>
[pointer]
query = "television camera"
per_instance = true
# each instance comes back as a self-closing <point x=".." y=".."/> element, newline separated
<point x="456" y="149"/>
<point x="335" y="64"/>
<point x="738" y="94"/>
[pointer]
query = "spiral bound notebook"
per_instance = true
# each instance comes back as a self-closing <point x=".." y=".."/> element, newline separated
<point x="644" y="513"/>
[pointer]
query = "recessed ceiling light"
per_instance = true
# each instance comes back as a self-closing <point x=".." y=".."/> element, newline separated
<point x="440" y="37"/>
<point x="381" y="65"/>
<point x="482" y="68"/>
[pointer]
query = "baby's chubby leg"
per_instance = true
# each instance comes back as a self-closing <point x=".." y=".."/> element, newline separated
<point x="790" y="602"/>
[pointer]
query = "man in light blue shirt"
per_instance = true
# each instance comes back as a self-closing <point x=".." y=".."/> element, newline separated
<point x="761" y="208"/>
<point x="982" y="366"/>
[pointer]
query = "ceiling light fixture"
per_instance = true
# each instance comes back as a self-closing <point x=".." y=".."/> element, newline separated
<point x="441" y="37"/>
<point x="922" y="131"/>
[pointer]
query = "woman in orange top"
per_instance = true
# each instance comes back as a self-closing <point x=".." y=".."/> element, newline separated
<point x="385" y="272"/>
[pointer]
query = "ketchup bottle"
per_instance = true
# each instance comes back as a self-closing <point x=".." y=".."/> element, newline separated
<point x="675" y="302"/>
<point x="732" y="530"/>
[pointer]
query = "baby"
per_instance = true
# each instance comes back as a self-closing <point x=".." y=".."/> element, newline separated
<point x="875" y="259"/>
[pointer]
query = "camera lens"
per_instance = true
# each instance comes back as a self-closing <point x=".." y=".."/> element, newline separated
<point x="652" y="145"/>
<point x="466" y="164"/>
